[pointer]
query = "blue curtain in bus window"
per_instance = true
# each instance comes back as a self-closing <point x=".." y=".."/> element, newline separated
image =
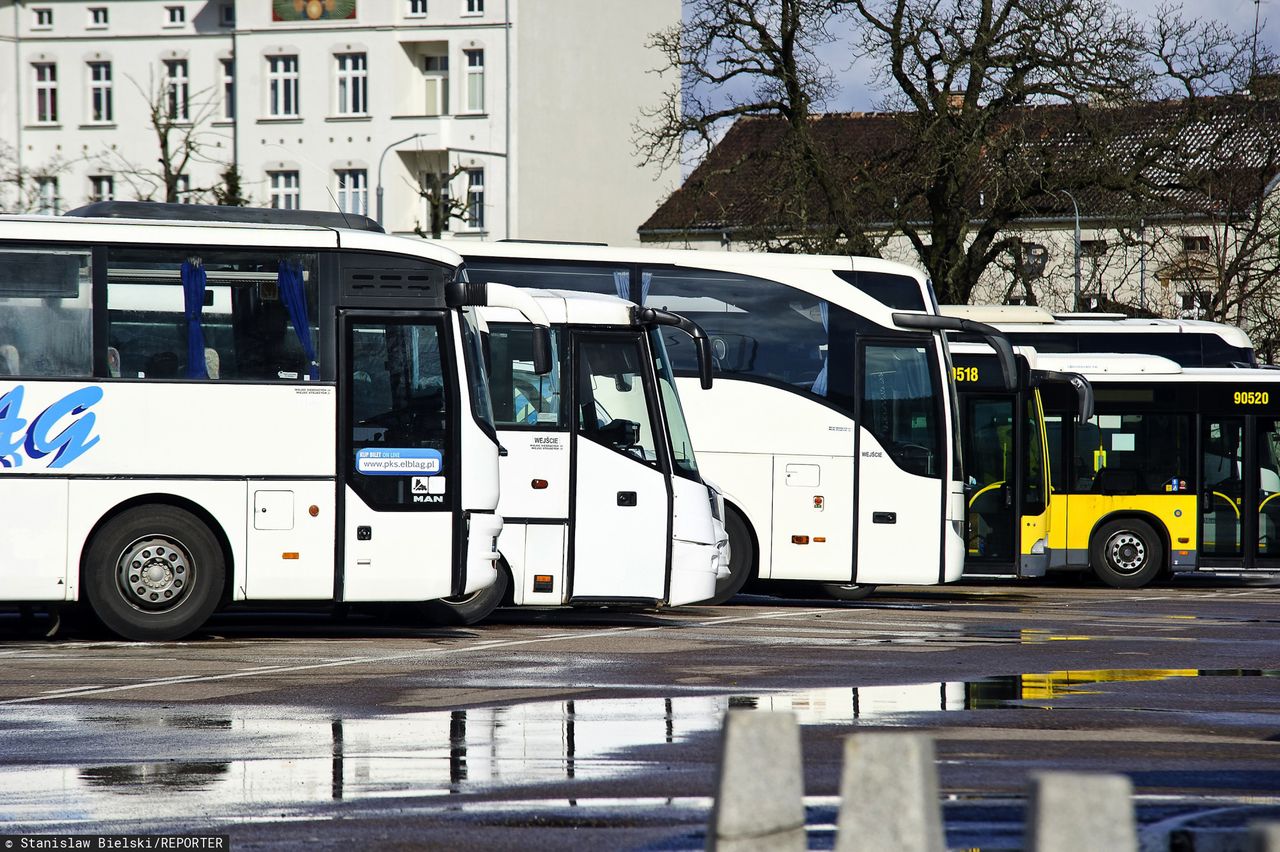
<point x="193" y="289"/>
<point x="646" y="278"/>
<point x="820" y="383"/>
<point x="289" y="280"/>
<point x="622" y="283"/>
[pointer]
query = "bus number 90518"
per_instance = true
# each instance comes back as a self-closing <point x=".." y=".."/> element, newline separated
<point x="964" y="374"/>
<point x="1251" y="397"/>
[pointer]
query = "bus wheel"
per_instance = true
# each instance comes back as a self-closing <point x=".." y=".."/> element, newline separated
<point x="154" y="573"/>
<point x="742" y="558"/>
<point x="848" y="591"/>
<point x="468" y="609"/>
<point x="1126" y="554"/>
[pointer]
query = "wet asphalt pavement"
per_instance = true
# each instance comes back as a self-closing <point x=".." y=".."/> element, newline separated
<point x="594" y="729"/>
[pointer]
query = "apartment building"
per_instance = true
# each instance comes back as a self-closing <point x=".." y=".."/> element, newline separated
<point x="513" y="116"/>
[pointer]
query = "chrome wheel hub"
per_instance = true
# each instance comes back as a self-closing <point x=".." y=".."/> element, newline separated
<point x="1126" y="552"/>
<point x="154" y="573"/>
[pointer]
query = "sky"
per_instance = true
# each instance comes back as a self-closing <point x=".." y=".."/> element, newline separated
<point x="857" y="95"/>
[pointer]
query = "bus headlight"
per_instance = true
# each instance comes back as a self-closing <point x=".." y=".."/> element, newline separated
<point x="1038" y="548"/>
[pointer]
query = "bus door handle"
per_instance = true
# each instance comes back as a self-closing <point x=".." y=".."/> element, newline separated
<point x="884" y="517"/>
<point x="502" y="451"/>
<point x="1007" y="490"/>
<point x="627" y="498"/>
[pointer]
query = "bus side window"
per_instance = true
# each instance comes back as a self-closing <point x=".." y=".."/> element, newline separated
<point x="46" y="313"/>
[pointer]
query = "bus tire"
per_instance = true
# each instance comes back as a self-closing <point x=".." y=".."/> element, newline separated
<point x="848" y="591"/>
<point x="1126" y="553"/>
<point x="154" y="573"/>
<point x="742" y="558"/>
<point x="468" y="609"/>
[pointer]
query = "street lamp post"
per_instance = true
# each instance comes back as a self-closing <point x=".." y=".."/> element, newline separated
<point x="383" y="157"/>
<point x="1075" y="306"/>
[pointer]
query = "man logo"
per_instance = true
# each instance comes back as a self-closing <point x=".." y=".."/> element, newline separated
<point x="427" y="489"/>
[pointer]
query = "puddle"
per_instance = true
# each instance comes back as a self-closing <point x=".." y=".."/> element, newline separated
<point x="166" y="765"/>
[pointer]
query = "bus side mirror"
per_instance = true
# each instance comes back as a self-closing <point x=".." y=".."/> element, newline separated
<point x="543" y="360"/>
<point x="701" y="343"/>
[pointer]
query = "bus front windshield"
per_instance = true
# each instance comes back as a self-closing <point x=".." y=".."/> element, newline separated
<point x="681" y="445"/>
<point x="477" y="375"/>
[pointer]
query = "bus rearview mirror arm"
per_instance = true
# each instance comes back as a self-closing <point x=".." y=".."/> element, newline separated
<point x="702" y="343"/>
<point x="1083" y="388"/>
<point x="463" y="294"/>
<point x="994" y="337"/>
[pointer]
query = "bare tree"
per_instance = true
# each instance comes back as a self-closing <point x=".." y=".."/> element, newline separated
<point x="20" y="185"/>
<point x="442" y="206"/>
<point x="993" y="107"/>
<point x="180" y="121"/>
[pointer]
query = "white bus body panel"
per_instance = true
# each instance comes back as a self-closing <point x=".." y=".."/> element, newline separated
<point x="694" y="557"/>
<point x="535" y="548"/>
<point x="33" y="550"/>
<point x="392" y="564"/>
<point x="615" y="547"/>
<point x="896" y="552"/>
<point x="482" y="552"/>
<point x="280" y="523"/>
<point x="813" y="499"/>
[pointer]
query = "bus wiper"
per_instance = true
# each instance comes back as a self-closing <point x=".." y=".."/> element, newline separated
<point x="995" y="338"/>
<point x="702" y="343"/>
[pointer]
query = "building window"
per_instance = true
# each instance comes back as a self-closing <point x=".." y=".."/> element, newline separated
<point x="435" y="77"/>
<point x="47" y="200"/>
<point x="282" y="85"/>
<point x="417" y="9"/>
<point x="474" y="7"/>
<point x="475" y="80"/>
<point x="177" y="89"/>
<point x="175" y="16"/>
<point x="102" y="188"/>
<point x="42" y="19"/>
<point x="285" y="191"/>
<point x="227" y="15"/>
<point x="228" y="89"/>
<point x="97" y="17"/>
<point x="1196" y="304"/>
<point x="353" y="84"/>
<point x="182" y="189"/>
<point x="475" y="198"/>
<point x="353" y="191"/>
<point x="100" y="92"/>
<point x="1093" y="248"/>
<point x="46" y="100"/>
<point x="1190" y="244"/>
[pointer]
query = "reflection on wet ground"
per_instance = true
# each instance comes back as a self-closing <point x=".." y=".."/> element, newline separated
<point x="239" y="765"/>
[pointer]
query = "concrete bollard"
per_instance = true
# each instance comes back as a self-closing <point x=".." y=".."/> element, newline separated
<point x="889" y="795"/>
<point x="1264" y="837"/>
<point x="1070" y="811"/>
<point x="759" y="802"/>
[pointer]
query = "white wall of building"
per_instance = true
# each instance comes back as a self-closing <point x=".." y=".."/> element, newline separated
<point x="550" y="145"/>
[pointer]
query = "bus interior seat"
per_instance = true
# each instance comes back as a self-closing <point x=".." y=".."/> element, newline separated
<point x="10" y="363"/>
<point x="113" y="362"/>
<point x="1116" y="480"/>
<point x="162" y="365"/>
<point x="212" y="362"/>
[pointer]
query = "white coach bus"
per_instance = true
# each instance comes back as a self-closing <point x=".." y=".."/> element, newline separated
<point x="602" y="501"/>
<point x="831" y="430"/>
<point x="199" y="413"/>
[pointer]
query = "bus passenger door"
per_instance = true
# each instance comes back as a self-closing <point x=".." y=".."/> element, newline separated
<point x="1222" y="491"/>
<point x="621" y="521"/>
<point x="990" y="455"/>
<point x="397" y="475"/>
<point x="1266" y="463"/>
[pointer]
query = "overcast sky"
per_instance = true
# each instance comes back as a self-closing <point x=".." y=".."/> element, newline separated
<point x="856" y="93"/>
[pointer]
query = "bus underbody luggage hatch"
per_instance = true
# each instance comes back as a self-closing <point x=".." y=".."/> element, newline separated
<point x="994" y="337"/>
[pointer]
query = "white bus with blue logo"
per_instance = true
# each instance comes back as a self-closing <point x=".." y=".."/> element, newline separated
<point x="831" y="430"/>
<point x="200" y="413"/>
<point x="594" y="452"/>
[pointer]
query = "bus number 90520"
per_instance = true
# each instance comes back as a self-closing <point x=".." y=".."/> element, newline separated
<point x="1251" y="397"/>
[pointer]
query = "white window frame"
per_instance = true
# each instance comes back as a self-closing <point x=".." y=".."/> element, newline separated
<point x="101" y="92"/>
<point x="472" y="7"/>
<point x="177" y="89"/>
<point x="353" y="190"/>
<point x="99" y="183"/>
<point x="416" y="9"/>
<point x="351" y="85"/>
<point x="175" y="16"/>
<point x="41" y="18"/>
<point x="282" y="85"/>
<point x="475" y="80"/>
<point x="48" y="201"/>
<point x="45" y="89"/>
<point x="285" y="189"/>
<point x="475" y="199"/>
<point x="99" y="18"/>
<point x="227" y="66"/>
